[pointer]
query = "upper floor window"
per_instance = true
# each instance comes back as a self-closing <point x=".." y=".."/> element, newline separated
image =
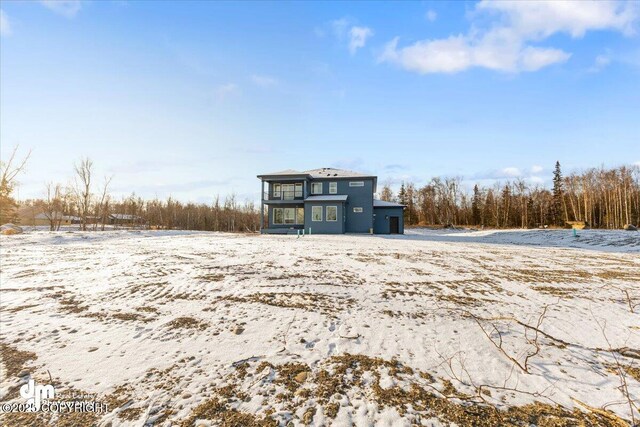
<point x="276" y="190"/>
<point x="356" y="183"/>
<point x="299" y="189"/>
<point x="288" y="191"/>
<point x="316" y="188"/>
<point x="333" y="188"/>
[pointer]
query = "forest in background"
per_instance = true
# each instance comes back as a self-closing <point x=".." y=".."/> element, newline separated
<point x="602" y="198"/>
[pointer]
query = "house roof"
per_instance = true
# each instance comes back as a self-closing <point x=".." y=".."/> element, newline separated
<point x="384" y="204"/>
<point x="319" y="173"/>
<point x="332" y="198"/>
<point x="337" y="173"/>
<point x="286" y="172"/>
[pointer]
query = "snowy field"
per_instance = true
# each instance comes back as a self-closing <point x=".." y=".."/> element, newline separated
<point x="430" y="328"/>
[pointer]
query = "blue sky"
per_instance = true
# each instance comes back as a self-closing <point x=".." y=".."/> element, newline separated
<point x="192" y="99"/>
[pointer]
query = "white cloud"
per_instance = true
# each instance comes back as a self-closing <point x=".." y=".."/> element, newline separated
<point x="431" y="15"/>
<point x="511" y="172"/>
<point x="264" y="81"/>
<point x="5" y="25"/>
<point x="344" y="30"/>
<point x="506" y="44"/>
<point x="358" y="38"/>
<point x="536" y="169"/>
<point x="535" y="179"/>
<point x="226" y="90"/>
<point x="66" y="8"/>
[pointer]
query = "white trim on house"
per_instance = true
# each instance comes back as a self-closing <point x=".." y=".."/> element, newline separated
<point x="358" y="210"/>
<point x="335" y="213"/>
<point x="356" y="183"/>
<point x="333" y="188"/>
<point x="313" y="213"/>
<point x="314" y="185"/>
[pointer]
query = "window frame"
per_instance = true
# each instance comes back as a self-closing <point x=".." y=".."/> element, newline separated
<point x="298" y="185"/>
<point x="313" y="217"/>
<point x="292" y="191"/>
<point x="333" y="187"/>
<point x="277" y="190"/>
<point x="327" y="213"/>
<point x="356" y="183"/>
<point x="313" y="185"/>
<point x="273" y="220"/>
<point x="299" y="219"/>
<point x="358" y="209"/>
<point x="289" y="221"/>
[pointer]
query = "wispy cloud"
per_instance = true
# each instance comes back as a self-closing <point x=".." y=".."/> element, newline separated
<point x="536" y="169"/>
<point x="346" y="32"/>
<point x="506" y="44"/>
<point x="358" y="38"/>
<point x="226" y="90"/>
<point x="600" y="63"/>
<point x="264" y="81"/>
<point x="66" y="8"/>
<point x="431" y="15"/>
<point x="5" y="25"/>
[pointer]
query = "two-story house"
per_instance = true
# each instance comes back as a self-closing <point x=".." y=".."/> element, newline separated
<point x="326" y="201"/>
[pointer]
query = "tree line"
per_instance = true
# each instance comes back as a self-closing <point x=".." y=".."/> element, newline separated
<point x="91" y="206"/>
<point x="600" y="197"/>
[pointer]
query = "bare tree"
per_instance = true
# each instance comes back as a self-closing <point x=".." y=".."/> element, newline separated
<point x="9" y="170"/>
<point x="83" y="171"/>
<point x="53" y="205"/>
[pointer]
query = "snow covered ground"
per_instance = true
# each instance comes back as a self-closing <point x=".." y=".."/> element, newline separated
<point x="429" y="328"/>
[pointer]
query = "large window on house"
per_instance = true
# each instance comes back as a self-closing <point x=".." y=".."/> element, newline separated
<point x="316" y="188"/>
<point x="299" y="189"/>
<point x="356" y="183"/>
<point x="276" y="190"/>
<point x="288" y="216"/>
<point x="333" y="188"/>
<point x="332" y="213"/>
<point x="316" y="213"/>
<point x="277" y="216"/>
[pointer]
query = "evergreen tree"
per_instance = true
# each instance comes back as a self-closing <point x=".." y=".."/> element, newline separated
<point x="556" y="208"/>
<point x="475" y="206"/>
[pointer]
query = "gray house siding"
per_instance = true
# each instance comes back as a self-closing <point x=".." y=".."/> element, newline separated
<point x="358" y="197"/>
<point x="324" y="226"/>
<point x="381" y="223"/>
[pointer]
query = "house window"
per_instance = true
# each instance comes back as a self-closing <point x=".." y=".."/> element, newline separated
<point x="333" y="188"/>
<point x="299" y="215"/>
<point x="316" y="213"/>
<point x="316" y="188"/>
<point x="299" y="190"/>
<point x="276" y="191"/>
<point x="289" y="215"/>
<point x="288" y="191"/>
<point x="357" y="210"/>
<point x="332" y="213"/>
<point x="277" y="216"/>
<point x="356" y="183"/>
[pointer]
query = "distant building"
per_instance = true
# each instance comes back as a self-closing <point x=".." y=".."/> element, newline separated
<point x="326" y="201"/>
<point x="126" y="220"/>
<point x="32" y="216"/>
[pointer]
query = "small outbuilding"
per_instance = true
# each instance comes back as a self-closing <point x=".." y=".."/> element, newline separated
<point x="388" y="217"/>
